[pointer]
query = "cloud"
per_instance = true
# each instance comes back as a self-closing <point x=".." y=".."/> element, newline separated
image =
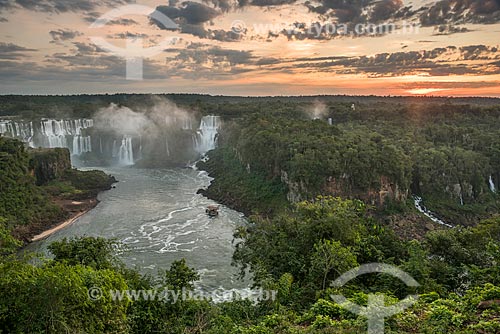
<point x="191" y="18"/>
<point x="360" y="11"/>
<point x="189" y="12"/>
<point x="384" y="10"/>
<point x="265" y="3"/>
<point x="449" y="29"/>
<point x="12" y="51"/>
<point x="60" y="6"/>
<point x="64" y="35"/>
<point x="200" y="60"/>
<point x="91" y="17"/>
<point x="128" y="34"/>
<point x="450" y="84"/>
<point x="436" y="62"/>
<point x="461" y="11"/>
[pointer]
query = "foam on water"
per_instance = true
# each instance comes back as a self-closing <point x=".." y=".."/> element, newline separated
<point x="160" y="218"/>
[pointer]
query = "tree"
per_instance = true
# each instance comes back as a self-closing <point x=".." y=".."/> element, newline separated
<point x="180" y="276"/>
<point x="330" y="256"/>
<point x="97" y="253"/>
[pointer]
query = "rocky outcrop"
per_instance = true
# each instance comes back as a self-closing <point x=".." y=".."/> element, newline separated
<point x="48" y="164"/>
<point x="388" y="191"/>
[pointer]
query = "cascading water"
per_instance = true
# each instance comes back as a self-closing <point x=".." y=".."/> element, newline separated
<point x="492" y="184"/>
<point x="51" y="133"/>
<point x="187" y="123"/>
<point x="71" y="134"/>
<point x="21" y="130"/>
<point x="420" y="207"/>
<point x="206" y="136"/>
<point x="125" y="152"/>
<point x="81" y="145"/>
<point x="167" y="148"/>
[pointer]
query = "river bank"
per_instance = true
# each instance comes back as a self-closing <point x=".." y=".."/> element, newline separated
<point x="240" y="189"/>
<point x="85" y="207"/>
<point x="70" y="197"/>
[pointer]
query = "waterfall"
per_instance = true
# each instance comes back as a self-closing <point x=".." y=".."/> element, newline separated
<point x="492" y="184"/>
<point x="54" y="133"/>
<point x="167" y="149"/>
<point x="20" y="130"/>
<point x="140" y="147"/>
<point x="420" y="207"/>
<point x="187" y="123"/>
<point x="125" y="153"/>
<point x="114" y="152"/>
<point x="206" y="136"/>
<point x="81" y="144"/>
<point x="51" y="133"/>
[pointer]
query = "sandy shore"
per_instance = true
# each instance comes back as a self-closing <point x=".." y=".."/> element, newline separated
<point x="56" y="228"/>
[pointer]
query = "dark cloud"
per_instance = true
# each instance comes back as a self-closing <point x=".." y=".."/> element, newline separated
<point x="189" y="12"/>
<point x="199" y="30"/>
<point x="267" y="61"/>
<point x="199" y="60"/>
<point x="192" y="17"/>
<point x="448" y="29"/>
<point x="128" y="34"/>
<point x="264" y="3"/>
<point x="461" y="11"/>
<point x="436" y="62"/>
<point x="344" y="11"/>
<point x="3" y="19"/>
<point x="64" y="34"/>
<point x="94" y="16"/>
<point x="384" y="10"/>
<point x="91" y="17"/>
<point x="200" y="53"/>
<point x="123" y="22"/>
<point x="87" y="49"/>
<point x="60" y="6"/>
<point x="438" y="13"/>
<point x="223" y="5"/>
<point x="13" y="51"/>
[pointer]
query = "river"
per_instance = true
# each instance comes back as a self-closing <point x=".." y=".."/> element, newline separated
<point x="159" y="216"/>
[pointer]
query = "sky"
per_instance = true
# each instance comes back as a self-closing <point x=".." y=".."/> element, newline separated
<point x="251" y="47"/>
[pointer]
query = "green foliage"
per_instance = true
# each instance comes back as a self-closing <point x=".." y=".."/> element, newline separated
<point x="331" y="256"/>
<point x="8" y="244"/>
<point x="21" y="202"/>
<point x="88" y="251"/>
<point x="269" y="151"/>
<point x="248" y="191"/>
<point x="54" y="299"/>
<point x="381" y="153"/>
<point x="180" y="276"/>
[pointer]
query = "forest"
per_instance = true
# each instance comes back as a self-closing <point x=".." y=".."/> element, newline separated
<point x="322" y="197"/>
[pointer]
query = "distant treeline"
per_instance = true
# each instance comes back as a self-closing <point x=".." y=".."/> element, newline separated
<point x="78" y="106"/>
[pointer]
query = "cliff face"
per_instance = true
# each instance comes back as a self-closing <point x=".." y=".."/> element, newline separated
<point x="388" y="190"/>
<point x="49" y="164"/>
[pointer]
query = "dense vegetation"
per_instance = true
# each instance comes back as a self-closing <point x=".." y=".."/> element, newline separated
<point x="381" y="153"/>
<point x="277" y="163"/>
<point x="32" y="181"/>
<point x="296" y="254"/>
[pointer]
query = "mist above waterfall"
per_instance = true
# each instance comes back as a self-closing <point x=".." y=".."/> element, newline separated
<point x="318" y="110"/>
<point x="160" y="134"/>
<point x="163" y="115"/>
<point x="122" y="121"/>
